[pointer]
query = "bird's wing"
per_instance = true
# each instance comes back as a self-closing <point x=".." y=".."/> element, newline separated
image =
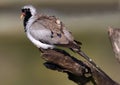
<point x="51" y="30"/>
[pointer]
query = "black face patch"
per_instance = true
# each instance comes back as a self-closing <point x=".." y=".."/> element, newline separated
<point x="26" y="10"/>
<point x="27" y="15"/>
<point x="23" y="10"/>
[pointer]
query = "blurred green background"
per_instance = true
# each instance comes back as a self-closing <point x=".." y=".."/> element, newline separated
<point x="88" y="20"/>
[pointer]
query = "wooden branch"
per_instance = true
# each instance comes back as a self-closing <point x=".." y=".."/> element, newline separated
<point x="114" y="35"/>
<point x="78" y="71"/>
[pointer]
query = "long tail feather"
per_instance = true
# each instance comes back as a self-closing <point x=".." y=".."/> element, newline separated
<point x="92" y="62"/>
<point x="86" y="57"/>
<point x="76" y="49"/>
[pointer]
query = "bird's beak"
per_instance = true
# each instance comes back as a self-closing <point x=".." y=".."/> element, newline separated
<point x="22" y="16"/>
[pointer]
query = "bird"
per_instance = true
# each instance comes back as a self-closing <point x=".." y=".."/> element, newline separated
<point x="48" y="32"/>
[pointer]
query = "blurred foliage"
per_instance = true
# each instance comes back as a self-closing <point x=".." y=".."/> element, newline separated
<point x="20" y="60"/>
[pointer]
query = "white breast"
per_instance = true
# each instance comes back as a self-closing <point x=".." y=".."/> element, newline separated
<point x="37" y="42"/>
<point x="34" y="39"/>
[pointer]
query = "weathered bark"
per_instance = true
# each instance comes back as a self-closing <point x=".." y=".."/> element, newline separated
<point x="78" y="71"/>
<point x="114" y="35"/>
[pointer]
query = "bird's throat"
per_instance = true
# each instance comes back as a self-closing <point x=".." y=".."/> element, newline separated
<point x="26" y="19"/>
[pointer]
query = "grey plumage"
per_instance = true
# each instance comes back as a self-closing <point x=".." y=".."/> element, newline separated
<point x="48" y="32"/>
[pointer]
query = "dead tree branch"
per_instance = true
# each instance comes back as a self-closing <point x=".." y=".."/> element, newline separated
<point x="114" y="35"/>
<point x="78" y="71"/>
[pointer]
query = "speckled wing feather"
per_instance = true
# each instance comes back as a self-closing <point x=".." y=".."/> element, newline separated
<point x="50" y="30"/>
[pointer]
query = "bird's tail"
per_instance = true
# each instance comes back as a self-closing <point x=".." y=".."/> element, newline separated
<point x="75" y="47"/>
<point x="81" y="53"/>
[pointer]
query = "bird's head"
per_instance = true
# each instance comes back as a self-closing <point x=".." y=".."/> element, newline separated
<point x="28" y="11"/>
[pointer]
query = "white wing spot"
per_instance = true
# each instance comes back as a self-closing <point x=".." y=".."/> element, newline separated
<point x="90" y="59"/>
<point x="117" y="48"/>
<point x="58" y="22"/>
